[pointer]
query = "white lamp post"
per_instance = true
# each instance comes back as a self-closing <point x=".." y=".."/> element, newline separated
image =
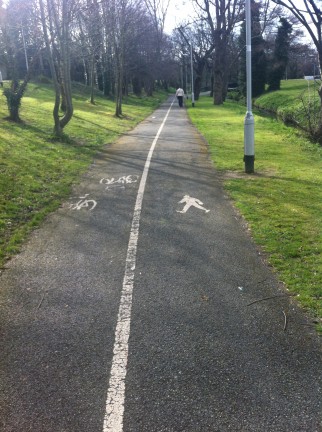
<point x="249" y="146"/>
<point x="192" y="90"/>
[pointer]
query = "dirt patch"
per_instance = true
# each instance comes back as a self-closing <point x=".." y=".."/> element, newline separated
<point x="227" y="175"/>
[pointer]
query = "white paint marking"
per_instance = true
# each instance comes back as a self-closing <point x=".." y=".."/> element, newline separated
<point x="113" y="421"/>
<point x="83" y="203"/>
<point x="191" y="202"/>
<point x="120" y="182"/>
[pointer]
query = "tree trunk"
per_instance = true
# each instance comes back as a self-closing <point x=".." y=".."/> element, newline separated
<point x="65" y="55"/>
<point x="148" y="86"/>
<point x="200" y="66"/>
<point x="62" y="84"/>
<point x="220" y="70"/>
<point x="118" y="89"/>
<point x="212" y="84"/>
<point x="218" y="86"/>
<point x="63" y="104"/>
<point x="92" y="78"/>
<point x="136" y="84"/>
<point x="197" y="87"/>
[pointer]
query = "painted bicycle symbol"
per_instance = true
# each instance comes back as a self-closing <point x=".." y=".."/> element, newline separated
<point x="84" y="203"/>
<point x="120" y="182"/>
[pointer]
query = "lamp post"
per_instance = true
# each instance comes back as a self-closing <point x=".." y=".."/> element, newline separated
<point x="192" y="90"/>
<point x="249" y="146"/>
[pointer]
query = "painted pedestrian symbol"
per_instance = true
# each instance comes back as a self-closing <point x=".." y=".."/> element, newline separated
<point x="191" y="202"/>
<point x="120" y="182"/>
<point x="84" y="203"/>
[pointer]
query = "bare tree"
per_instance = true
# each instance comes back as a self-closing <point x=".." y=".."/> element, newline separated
<point x="56" y="17"/>
<point x="119" y="12"/>
<point x="202" y="50"/>
<point x="221" y="16"/>
<point x="89" y="31"/>
<point x="117" y="20"/>
<point x="21" y="47"/>
<point x="270" y="14"/>
<point x="132" y="42"/>
<point x="157" y="10"/>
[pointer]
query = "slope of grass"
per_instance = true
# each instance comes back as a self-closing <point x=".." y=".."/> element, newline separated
<point x="294" y="102"/>
<point x="282" y="201"/>
<point x="36" y="172"/>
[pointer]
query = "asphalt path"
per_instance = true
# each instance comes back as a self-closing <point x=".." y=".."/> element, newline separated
<point x="142" y="304"/>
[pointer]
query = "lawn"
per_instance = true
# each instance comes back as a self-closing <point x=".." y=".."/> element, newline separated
<point x="293" y="102"/>
<point x="37" y="172"/>
<point x="282" y="201"/>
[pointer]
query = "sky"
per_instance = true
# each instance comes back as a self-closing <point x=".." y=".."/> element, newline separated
<point x="178" y="11"/>
<point x="182" y="10"/>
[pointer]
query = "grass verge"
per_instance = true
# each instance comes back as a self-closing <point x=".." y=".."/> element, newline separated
<point x="36" y="172"/>
<point x="297" y="102"/>
<point x="281" y="201"/>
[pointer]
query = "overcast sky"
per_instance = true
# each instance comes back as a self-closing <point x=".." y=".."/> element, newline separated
<point x="178" y="11"/>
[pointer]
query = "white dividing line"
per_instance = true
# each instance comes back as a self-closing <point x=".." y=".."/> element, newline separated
<point x="113" y="420"/>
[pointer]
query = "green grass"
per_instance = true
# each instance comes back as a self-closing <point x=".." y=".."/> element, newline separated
<point x="292" y="102"/>
<point x="37" y="172"/>
<point x="282" y="201"/>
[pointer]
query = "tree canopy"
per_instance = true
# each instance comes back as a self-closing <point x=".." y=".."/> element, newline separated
<point x="120" y="46"/>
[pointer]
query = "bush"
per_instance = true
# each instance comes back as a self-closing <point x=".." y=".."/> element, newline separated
<point x="235" y="95"/>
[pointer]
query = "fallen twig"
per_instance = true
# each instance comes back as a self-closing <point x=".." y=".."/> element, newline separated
<point x="41" y="300"/>
<point x="285" y="320"/>
<point x="275" y="296"/>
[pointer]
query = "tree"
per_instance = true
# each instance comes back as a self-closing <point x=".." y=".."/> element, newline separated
<point x="88" y="31"/>
<point x="109" y="43"/>
<point x="202" y="50"/>
<point x="21" y="48"/>
<point x="56" y="18"/>
<point x="135" y="46"/>
<point x="302" y="60"/>
<point x="119" y="18"/>
<point x="309" y="14"/>
<point x="280" y="56"/>
<point x="221" y="16"/>
<point x="143" y="65"/>
<point x="157" y="10"/>
<point x="120" y="13"/>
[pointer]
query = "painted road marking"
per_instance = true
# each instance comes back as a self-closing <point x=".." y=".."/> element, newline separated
<point x="191" y="202"/>
<point x="84" y="203"/>
<point x="120" y="182"/>
<point x="113" y="420"/>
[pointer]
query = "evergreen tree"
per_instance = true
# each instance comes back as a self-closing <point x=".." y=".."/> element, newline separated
<point x="280" y="55"/>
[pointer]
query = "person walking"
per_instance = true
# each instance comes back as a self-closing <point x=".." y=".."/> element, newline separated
<point x="180" y="95"/>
